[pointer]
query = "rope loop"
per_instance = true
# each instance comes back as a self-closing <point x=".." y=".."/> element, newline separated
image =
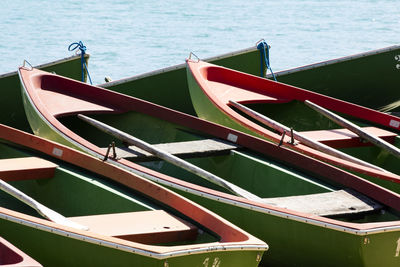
<point x="79" y="45"/>
<point x="264" y="53"/>
<point x="76" y="45"/>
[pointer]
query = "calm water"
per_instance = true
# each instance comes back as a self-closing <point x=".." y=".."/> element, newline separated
<point x="126" y="38"/>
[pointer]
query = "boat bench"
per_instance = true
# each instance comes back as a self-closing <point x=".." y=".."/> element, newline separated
<point x="148" y="227"/>
<point x="342" y="138"/>
<point x="336" y="203"/>
<point x="186" y="149"/>
<point x="14" y="169"/>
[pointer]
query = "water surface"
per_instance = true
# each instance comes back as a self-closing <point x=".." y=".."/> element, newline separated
<point x="126" y="38"/>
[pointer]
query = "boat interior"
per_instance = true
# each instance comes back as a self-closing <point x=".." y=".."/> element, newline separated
<point x="90" y="200"/>
<point x="276" y="183"/>
<point x="301" y="118"/>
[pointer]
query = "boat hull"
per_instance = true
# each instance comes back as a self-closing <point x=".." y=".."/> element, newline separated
<point x="168" y="87"/>
<point x="10" y="88"/>
<point x="294" y="242"/>
<point x="370" y="79"/>
<point x="58" y="248"/>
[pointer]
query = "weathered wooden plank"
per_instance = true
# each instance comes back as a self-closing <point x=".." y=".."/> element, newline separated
<point x="26" y="168"/>
<point x="336" y="203"/>
<point x="149" y="227"/>
<point x="187" y="149"/>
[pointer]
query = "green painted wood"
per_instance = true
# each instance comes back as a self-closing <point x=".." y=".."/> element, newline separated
<point x="169" y="87"/>
<point x="11" y="112"/>
<point x="39" y="127"/>
<point x="51" y="249"/>
<point x="370" y="79"/>
<point x="294" y="243"/>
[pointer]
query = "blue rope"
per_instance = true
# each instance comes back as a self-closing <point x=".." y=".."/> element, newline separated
<point x="264" y="52"/>
<point x="81" y="47"/>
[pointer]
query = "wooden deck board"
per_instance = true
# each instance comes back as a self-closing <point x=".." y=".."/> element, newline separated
<point x="26" y="168"/>
<point x="337" y="203"/>
<point x="150" y="227"/>
<point x="187" y="149"/>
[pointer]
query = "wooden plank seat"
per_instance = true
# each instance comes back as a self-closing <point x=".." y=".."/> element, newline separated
<point x="148" y="227"/>
<point x="13" y="169"/>
<point x="341" y="138"/>
<point x="186" y="149"/>
<point x="336" y="203"/>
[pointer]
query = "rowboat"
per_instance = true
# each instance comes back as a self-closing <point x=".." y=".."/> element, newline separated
<point x="66" y="208"/>
<point x="11" y="92"/>
<point x="256" y="105"/>
<point x="11" y="256"/>
<point x="369" y="79"/>
<point x="168" y="87"/>
<point x="274" y="193"/>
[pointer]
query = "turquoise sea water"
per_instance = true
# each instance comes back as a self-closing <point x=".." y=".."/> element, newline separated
<point x="126" y="38"/>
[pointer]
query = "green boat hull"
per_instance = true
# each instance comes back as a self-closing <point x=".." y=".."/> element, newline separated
<point x="56" y="250"/>
<point x="296" y="243"/>
<point x="11" y="93"/>
<point x="168" y="87"/>
<point x="369" y="79"/>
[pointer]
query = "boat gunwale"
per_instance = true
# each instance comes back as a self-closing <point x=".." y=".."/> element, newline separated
<point x="354" y="228"/>
<point x="174" y="67"/>
<point x="49" y="64"/>
<point x="334" y="61"/>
